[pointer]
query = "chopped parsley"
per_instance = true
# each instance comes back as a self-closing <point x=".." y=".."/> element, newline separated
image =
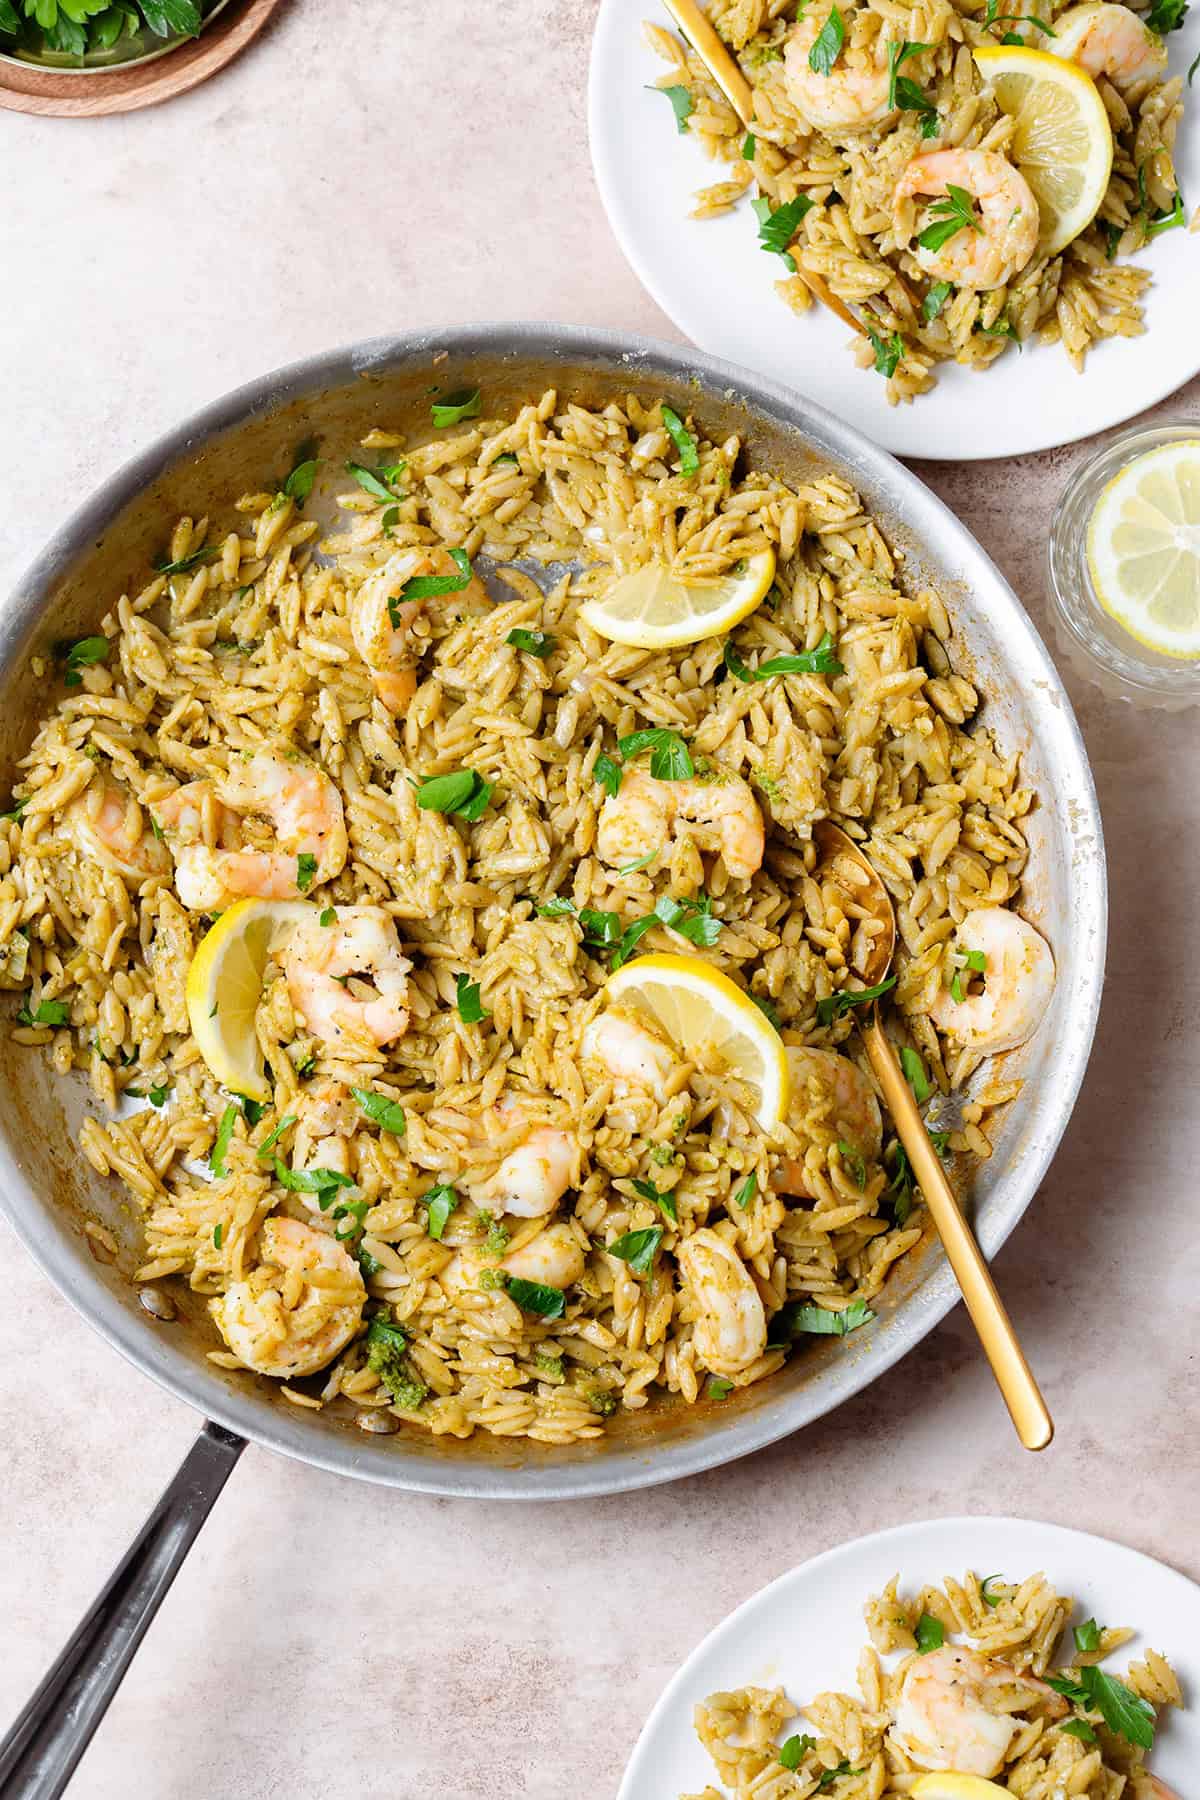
<point x="388" y="1114"/>
<point x="899" y="53"/>
<point x="828" y="44"/>
<point x="800" y="1317"/>
<point x="846" y="998"/>
<point x="46" y="1012"/>
<point x="533" y="643"/>
<point x="440" y="1201"/>
<point x="470" y="1010"/>
<point x="1003" y="328"/>
<point x="354" y="1211"/>
<point x="831" y="1775"/>
<point x="935" y="299"/>
<point x="888" y="351"/>
<point x="820" y="660"/>
<point x="216" y="1160"/>
<point x="371" y="481"/>
<point x="854" y="1163"/>
<point x="252" y="1110"/>
<point x="777" y="226"/>
<point x="429" y="587"/>
<point x="747" y="1191"/>
<point x="370" y="1265"/>
<point x="658" y="1197"/>
<point x="952" y="212"/>
<point x="1166" y="15"/>
<point x="299" y="484"/>
<point x="557" y="907"/>
<point x="792" y="1752"/>
<point x="82" y="655"/>
<point x="638" y="1248"/>
<point x="1087" y="1637"/>
<point x="768" y="1009"/>
<point x="273" y="1137"/>
<point x="158" y="1095"/>
<point x="1078" y="1728"/>
<point x="462" y="792"/>
<point x="930" y="1634"/>
<point x="681" y="437"/>
<point x="670" y="758"/>
<point x="718" y="1388"/>
<point x="218" y="1234"/>
<point x="900" y="1189"/>
<point x="749" y="147"/>
<point x="464" y="404"/>
<point x="1167" y="221"/>
<point x="306" y="871"/>
<point x="323" y="1183"/>
<point x="641" y="862"/>
<point x="911" y="99"/>
<point x="682" y="104"/>
<point x="1124" y="1712"/>
<point x="328" y="916"/>
<point x="182" y="564"/>
<point x="914" y="1073"/>
<point x="607" y="773"/>
<point x="985" y="1590"/>
<point x="535" y="1297"/>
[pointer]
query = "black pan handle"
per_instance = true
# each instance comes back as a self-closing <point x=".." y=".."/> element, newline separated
<point x="39" y="1755"/>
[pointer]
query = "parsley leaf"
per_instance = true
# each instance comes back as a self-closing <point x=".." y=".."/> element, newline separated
<point x="1079" y="1728"/>
<point x="324" y="1183"/>
<point x="684" y="442"/>
<point x="888" y="352"/>
<point x="216" y="1160"/>
<point x="441" y="1201"/>
<point x="299" y="484"/>
<point x="768" y="1009"/>
<point x="985" y="1590"/>
<point x="910" y="99"/>
<point x="46" y="1012"/>
<point x="747" y="1191"/>
<point x="820" y="660"/>
<point x="930" y="1634"/>
<point x="428" y="587"/>
<point x="670" y="758"/>
<point x="273" y="1137"/>
<point x="638" y="1248"/>
<point x="535" y="1297"/>
<point x="82" y="655"/>
<point x="953" y="212"/>
<point x="470" y="1011"/>
<point x="836" y="1004"/>
<point x="1166" y="15"/>
<point x="935" y="299"/>
<point x="799" y="1317"/>
<point x="792" y="1752"/>
<point x="717" y="1388"/>
<point x="749" y="147"/>
<point x="828" y="44"/>
<point x="327" y="916"/>
<point x="1124" y="1713"/>
<point x="1167" y="221"/>
<point x="205" y="554"/>
<point x="371" y="481"/>
<point x="900" y="1189"/>
<point x="777" y="226"/>
<point x="534" y="643"/>
<point x="607" y="773"/>
<point x="1087" y="1637"/>
<point x="914" y="1073"/>
<point x="658" y="1197"/>
<point x="306" y="870"/>
<point x="462" y="792"/>
<point x="832" y="1775"/>
<point x="682" y="104"/>
<point x="854" y="1162"/>
<point x="387" y="1114"/>
<point x="465" y="404"/>
<point x="899" y="53"/>
<point x="557" y="907"/>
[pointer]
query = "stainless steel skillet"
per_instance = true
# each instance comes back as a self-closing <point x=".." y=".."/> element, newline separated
<point x="48" y="1192"/>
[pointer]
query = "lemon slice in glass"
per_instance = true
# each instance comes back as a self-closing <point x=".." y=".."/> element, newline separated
<point x="711" y="1020"/>
<point x="224" y="985"/>
<point x="958" y="1787"/>
<point x="1063" y="142"/>
<point x="651" y="610"/>
<point x="1143" y="548"/>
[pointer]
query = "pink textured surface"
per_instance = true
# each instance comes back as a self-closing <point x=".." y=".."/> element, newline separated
<point x="369" y="165"/>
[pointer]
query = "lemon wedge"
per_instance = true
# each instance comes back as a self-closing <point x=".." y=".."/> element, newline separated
<point x="708" y="1017"/>
<point x="1143" y="548"/>
<point x="958" y="1787"/>
<point x="651" y="610"/>
<point x="1063" y="143"/>
<point x="224" y="985"/>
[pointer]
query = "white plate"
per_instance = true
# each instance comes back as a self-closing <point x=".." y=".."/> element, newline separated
<point x="805" y="1631"/>
<point x="717" y="285"/>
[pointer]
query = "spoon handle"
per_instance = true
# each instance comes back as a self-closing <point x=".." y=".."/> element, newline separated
<point x="1013" y="1374"/>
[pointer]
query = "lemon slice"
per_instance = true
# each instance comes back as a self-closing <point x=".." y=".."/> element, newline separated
<point x="1063" y="143"/>
<point x="958" y="1787"/>
<point x="651" y="610"/>
<point x="1143" y="548"/>
<point x="703" y="1012"/>
<point x="224" y="984"/>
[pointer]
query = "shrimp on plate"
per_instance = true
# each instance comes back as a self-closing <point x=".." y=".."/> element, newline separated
<point x="381" y="619"/>
<point x="955" y="1710"/>
<point x="1018" y="982"/>
<point x="108" y="827"/>
<point x="298" y="1308"/>
<point x="349" y="979"/>
<point x="999" y="236"/>
<point x="723" y="813"/>
<point x="852" y="97"/>
<point x="1110" y="40"/>
<point x="213" y="864"/>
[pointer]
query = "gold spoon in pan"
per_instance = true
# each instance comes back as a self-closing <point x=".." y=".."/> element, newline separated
<point x="737" y="90"/>
<point x="1021" y="1394"/>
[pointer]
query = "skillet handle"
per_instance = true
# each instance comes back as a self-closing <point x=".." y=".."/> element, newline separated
<point x="40" y="1752"/>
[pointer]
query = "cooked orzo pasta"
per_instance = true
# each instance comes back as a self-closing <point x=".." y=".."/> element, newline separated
<point x="323" y="857"/>
<point x="965" y="1679"/>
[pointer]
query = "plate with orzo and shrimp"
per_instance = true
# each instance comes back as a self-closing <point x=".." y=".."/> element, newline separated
<point x="953" y="1659"/>
<point x="988" y="185"/>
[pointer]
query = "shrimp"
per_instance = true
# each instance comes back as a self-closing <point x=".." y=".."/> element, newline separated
<point x="109" y="828"/>
<point x="213" y="867"/>
<point x="361" y="943"/>
<point x="381" y="620"/>
<point x="637" y="819"/>
<point x="326" y="1119"/>
<point x="852" y="1110"/>
<point x="1110" y="40"/>
<point x="535" y="1174"/>
<point x="852" y="97"/>
<point x="298" y="1308"/>
<point x="1018" y="981"/>
<point x="730" y="1331"/>
<point x="1004" y="232"/>
<point x="554" y="1258"/>
<point x="631" y="1055"/>
<point x="955" y="1710"/>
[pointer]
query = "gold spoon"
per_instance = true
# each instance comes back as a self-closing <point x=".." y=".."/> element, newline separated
<point x="1021" y="1394"/>
<point x="740" y="95"/>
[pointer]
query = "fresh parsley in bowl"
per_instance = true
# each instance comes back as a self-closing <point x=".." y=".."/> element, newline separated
<point x="99" y="34"/>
